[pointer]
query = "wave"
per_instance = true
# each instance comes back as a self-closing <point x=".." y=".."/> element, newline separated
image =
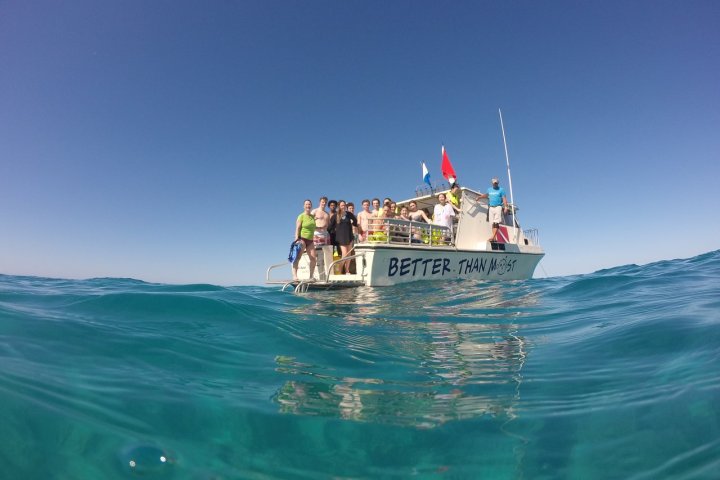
<point x="560" y="377"/>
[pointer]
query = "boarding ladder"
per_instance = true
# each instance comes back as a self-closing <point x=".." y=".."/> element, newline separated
<point x="331" y="283"/>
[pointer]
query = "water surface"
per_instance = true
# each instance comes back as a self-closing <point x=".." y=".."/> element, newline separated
<point x="609" y="375"/>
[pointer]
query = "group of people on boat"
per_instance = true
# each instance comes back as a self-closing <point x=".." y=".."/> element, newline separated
<point x="341" y="227"/>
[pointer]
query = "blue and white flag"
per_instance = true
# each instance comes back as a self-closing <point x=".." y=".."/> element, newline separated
<point x="426" y="175"/>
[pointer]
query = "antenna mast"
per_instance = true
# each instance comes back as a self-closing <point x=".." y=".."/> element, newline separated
<point x="507" y="160"/>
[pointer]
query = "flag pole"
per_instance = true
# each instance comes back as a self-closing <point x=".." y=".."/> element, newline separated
<point x="507" y="160"/>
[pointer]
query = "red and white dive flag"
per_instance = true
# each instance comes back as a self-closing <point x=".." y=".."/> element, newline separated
<point x="447" y="169"/>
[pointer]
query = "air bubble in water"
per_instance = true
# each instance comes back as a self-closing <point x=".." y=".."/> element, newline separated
<point x="146" y="461"/>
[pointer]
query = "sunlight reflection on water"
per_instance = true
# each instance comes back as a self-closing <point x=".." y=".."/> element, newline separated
<point x="425" y="367"/>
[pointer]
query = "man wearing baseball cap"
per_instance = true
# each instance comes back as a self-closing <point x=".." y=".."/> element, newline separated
<point x="497" y="204"/>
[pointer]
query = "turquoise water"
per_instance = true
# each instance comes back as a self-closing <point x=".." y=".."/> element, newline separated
<point x="615" y="374"/>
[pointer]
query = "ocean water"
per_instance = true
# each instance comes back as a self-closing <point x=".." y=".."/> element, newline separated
<point x="611" y="375"/>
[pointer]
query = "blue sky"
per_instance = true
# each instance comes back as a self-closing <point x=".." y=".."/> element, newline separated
<point x="176" y="141"/>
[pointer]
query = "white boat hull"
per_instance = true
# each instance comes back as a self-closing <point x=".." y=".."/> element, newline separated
<point x="385" y="265"/>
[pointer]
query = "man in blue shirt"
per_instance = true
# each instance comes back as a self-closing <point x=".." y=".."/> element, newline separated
<point x="497" y="204"/>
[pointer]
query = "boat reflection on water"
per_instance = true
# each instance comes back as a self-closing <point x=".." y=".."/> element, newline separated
<point x="457" y="356"/>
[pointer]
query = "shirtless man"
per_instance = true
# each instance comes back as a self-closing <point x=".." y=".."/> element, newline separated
<point x="322" y="220"/>
<point x="376" y="211"/>
<point x="364" y="220"/>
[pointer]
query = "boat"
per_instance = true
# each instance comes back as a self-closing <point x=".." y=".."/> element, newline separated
<point x="399" y="251"/>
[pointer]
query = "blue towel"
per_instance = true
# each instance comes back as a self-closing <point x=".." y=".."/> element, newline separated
<point x="294" y="251"/>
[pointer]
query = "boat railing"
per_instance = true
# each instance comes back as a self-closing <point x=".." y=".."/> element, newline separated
<point x="424" y="190"/>
<point x="533" y="235"/>
<point x="273" y="267"/>
<point x="331" y="266"/>
<point x="302" y="284"/>
<point x="397" y="231"/>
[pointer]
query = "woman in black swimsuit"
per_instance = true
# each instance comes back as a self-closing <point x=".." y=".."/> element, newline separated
<point x="417" y="216"/>
<point x="342" y="224"/>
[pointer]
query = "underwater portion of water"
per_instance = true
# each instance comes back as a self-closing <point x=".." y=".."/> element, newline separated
<point x="615" y="374"/>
